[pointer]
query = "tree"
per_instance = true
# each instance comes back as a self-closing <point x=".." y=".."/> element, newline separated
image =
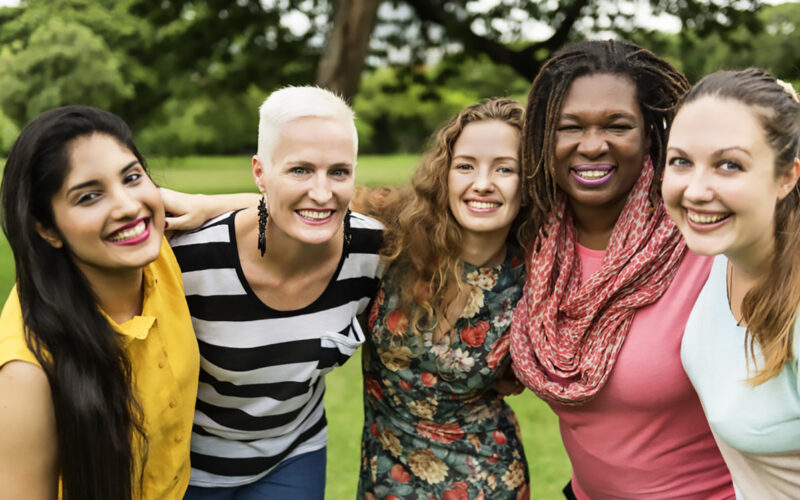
<point x="773" y="48"/>
<point x="345" y="52"/>
<point x="454" y="27"/>
<point x="189" y="73"/>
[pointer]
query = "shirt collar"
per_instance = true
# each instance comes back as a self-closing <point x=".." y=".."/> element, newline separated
<point x="138" y="327"/>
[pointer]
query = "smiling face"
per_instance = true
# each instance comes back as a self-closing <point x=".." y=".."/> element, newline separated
<point x="720" y="185"/>
<point x="600" y="142"/>
<point x="108" y="213"/>
<point x="309" y="183"/>
<point x="484" y="180"/>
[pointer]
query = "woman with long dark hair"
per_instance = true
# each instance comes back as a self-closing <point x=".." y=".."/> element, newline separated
<point x="610" y="285"/>
<point x="730" y="184"/>
<point x="98" y="360"/>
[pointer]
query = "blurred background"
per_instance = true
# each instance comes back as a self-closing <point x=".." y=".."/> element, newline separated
<point x="188" y="76"/>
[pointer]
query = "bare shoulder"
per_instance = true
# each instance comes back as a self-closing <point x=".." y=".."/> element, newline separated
<point x="28" y="441"/>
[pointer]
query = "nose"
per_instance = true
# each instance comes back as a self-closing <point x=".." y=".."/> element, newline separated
<point x="593" y="144"/>
<point x="483" y="181"/>
<point x="320" y="191"/>
<point x="126" y="204"/>
<point x="699" y="186"/>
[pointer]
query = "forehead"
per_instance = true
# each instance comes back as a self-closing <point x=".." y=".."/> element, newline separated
<point x="315" y="139"/>
<point x="601" y="94"/>
<point x="711" y="123"/>
<point x="493" y="137"/>
<point x="96" y="155"/>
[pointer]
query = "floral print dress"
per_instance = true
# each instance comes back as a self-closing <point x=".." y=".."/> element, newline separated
<point x="434" y="427"/>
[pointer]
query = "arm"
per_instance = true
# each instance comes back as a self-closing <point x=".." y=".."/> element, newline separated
<point x="28" y="440"/>
<point x="188" y="211"/>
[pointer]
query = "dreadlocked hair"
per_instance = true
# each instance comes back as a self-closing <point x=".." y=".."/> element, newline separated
<point x="422" y="238"/>
<point x="658" y="87"/>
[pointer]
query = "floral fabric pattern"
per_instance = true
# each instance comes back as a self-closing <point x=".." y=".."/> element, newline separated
<point x="434" y="427"/>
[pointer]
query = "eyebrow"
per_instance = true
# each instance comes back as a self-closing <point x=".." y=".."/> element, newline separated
<point x="468" y="157"/>
<point x="614" y="115"/>
<point x="95" y="182"/>
<point x="303" y="163"/>
<point x="718" y="152"/>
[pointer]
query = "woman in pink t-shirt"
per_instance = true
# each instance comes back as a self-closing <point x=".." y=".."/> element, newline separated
<point x="597" y="333"/>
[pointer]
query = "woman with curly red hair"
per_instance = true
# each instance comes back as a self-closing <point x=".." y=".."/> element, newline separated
<point x="434" y="426"/>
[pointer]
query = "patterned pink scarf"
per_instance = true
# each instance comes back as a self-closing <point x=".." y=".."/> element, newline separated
<point x="573" y="330"/>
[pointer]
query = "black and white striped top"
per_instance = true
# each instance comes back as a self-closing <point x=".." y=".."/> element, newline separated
<point x="261" y="370"/>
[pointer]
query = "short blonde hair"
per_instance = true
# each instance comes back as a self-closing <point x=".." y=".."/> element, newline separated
<point x="290" y="103"/>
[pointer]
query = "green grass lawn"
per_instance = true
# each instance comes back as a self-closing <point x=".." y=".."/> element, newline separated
<point x="548" y="463"/>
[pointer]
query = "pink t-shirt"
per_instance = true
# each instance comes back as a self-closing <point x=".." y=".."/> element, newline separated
<point x="645" y="435"/>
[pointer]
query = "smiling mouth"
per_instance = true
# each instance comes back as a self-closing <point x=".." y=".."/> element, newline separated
<point x="698" y="218"/>
<point x="482" y="205"/>
<point x="592" y="175"/>
<point x="315" y="215"/>
<point x="131" y="233"/>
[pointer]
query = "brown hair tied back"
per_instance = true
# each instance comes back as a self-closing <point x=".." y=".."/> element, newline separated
<point x="770" y="308"/>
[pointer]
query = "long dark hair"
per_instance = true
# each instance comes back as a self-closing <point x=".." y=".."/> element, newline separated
<point x="770" y="307"/>
<point x="97" y="416"/>
<point x="658" y="87"/>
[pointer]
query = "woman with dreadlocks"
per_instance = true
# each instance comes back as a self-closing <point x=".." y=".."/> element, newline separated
<point x="610" y="286"/>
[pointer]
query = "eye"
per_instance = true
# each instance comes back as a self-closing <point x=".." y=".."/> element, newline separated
<point x="86" y="198"/>
<point x="730" y="166"/>
<point x="506" y="169"/>
<point x="568" y="128"/>
<point x="298" y="170"/>
<point x="341" y="173"/>
<point x="132" y="177"/>
<point x="678" y="162"/>
<point x="462" y="166"/>
<point x="620" y="127"/>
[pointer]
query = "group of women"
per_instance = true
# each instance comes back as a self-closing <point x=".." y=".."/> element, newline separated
<point x="627" y="247"/>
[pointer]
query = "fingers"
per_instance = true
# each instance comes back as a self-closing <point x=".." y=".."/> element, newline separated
<point x="183" y="222"/>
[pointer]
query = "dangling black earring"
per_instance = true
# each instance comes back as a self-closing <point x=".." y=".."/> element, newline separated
<point x="262" y="225"/>
<point x="348" y="235"/>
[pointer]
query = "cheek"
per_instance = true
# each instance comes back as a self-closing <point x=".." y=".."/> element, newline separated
<point x="345" y="193"/>
<point x="561" y="150"/>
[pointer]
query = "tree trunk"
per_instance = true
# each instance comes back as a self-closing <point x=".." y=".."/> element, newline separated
<point x="348" y="43"/>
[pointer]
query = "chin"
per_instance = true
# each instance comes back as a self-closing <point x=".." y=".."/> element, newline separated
<point x="703" y="248"/>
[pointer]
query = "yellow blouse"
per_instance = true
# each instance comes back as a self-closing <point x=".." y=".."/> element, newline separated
<point x="163" y="353"/>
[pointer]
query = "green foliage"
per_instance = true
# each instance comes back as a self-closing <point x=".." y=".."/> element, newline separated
<point x="398" y="110"/>
<point x="67" y="52"/>
<point x="8" y="133"/>
<point x="773" y="48"/>
<point x="64" y="62"/>
<point x="202" y="124"/>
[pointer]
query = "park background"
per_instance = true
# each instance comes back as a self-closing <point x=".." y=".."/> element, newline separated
<point x="188" y="76"/>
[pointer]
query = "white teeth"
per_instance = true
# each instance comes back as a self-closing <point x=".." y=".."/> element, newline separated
<point x="314" y="214"/>
<point x="483" y="204"/>
<point x="704" y="219"/>
<point x="131" y="232"/>
<point x="591" y="174"/>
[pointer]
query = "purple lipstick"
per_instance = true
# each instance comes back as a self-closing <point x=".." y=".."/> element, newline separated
<point x="592" y="175"/>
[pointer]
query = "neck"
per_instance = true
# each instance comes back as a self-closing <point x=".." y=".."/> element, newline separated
<point x="485" y="249"/>
<point x="285" y="255"/>
<point x="595" y="224"/>
<point x="119" y="294"/>
<point x="744" y="271"/>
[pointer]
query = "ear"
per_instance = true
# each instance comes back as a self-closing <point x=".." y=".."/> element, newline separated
<point x="49" y="235"/>
<point x="258" y="173"/>
<point x="788" y="181"/>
